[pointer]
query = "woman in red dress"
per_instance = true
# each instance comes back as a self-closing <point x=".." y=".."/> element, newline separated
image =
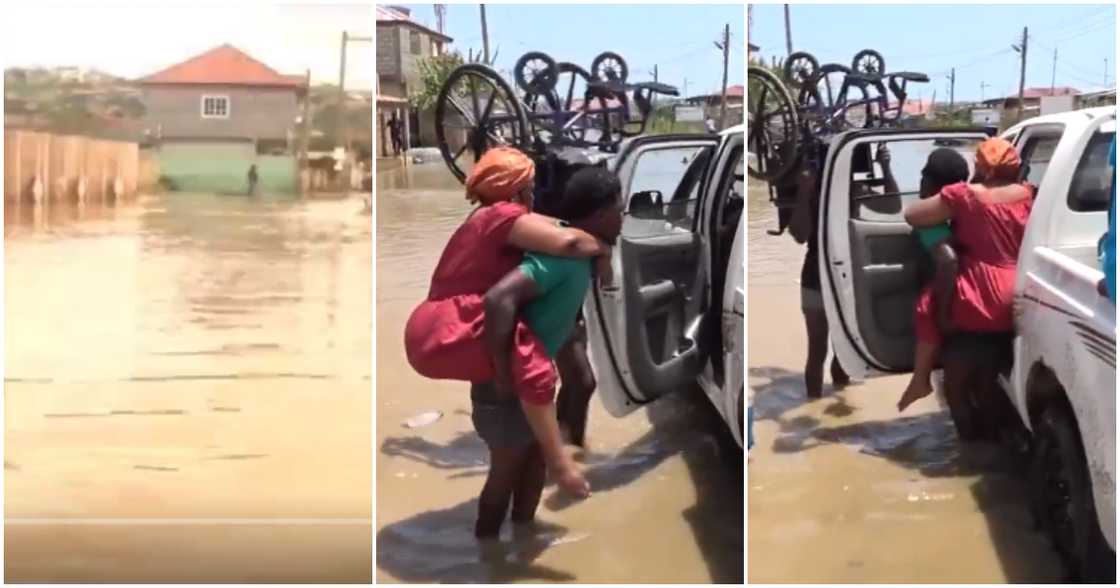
<point x="988" y="218"/>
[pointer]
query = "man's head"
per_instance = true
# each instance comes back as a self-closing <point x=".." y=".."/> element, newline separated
<point x="944" y="167"/>
<point x="591" y="201"/>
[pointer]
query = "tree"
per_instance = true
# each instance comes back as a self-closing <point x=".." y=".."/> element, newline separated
<point x="434" y="71"/>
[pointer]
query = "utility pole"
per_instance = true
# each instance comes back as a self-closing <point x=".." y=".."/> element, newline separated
<point x="686" y="87"/>
<point x="305" y="119"/>
<point x="654" y="72"/>
<point x="441" y="17"/>
<point x="1053" y="71"/>
<point x="952" y="89"/>
<point x="982" y="86"/>
<point x="1022" y="49"/>
<point x="342" y="130"/>
<point x="485" y="36"/>
<point x="789" y="35"/>
<point x="723" y="92"/>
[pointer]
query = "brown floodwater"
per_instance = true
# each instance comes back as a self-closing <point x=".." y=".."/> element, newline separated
<point x="665" y="507"/>
<point x="844" y="489"/>
<point x="187" y="391"/>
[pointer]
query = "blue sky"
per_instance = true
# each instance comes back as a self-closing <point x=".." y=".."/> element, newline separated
<point x="976" y="39"/>
<point x="678" y="39"/>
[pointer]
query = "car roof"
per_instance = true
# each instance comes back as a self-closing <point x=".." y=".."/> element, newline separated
<point x="740" y="128"/>
<point x="1084" y="114"/>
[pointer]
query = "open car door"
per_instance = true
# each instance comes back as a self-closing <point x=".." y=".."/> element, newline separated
<point x="870" y="263"/>
<point x="643" y="326"/>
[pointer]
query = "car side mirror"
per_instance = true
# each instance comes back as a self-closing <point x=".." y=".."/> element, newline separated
<point x="646" y="203"/>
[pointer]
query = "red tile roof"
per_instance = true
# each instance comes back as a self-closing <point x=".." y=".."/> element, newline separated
<point x="387" y="15"/>
<point x="223" y="65"/>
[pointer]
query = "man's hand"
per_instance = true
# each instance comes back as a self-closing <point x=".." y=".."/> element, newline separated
<point x="883" y="155"/>
<point x="571" y="480"/>
<point x="603" y="269"/>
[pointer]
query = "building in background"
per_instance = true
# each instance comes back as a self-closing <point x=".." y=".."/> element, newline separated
<point x="711" y="104"/>
<point x="214" y="115"/>
<point x="401" y="44"/>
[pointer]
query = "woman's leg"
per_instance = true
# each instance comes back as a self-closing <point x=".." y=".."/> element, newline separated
<point x="960" y="381"/>
<point x="501" y="480"/>
<point x="530" y="485"/>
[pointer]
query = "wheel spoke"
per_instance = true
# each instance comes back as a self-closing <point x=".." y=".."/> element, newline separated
<point x="474" y="97"/>
<point x="460" y="151"/>
<point x="462" y="111"/>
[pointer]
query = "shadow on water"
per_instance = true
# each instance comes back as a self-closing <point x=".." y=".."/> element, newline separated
<point x="681" y="427"/>
<point x="927" y="444"/>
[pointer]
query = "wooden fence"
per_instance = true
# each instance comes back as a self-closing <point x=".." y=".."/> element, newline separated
<point x="41" y="167"/>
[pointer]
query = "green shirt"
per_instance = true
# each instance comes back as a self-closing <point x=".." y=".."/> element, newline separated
<point x="931" y="236"/>
<point x="562" y="283"/>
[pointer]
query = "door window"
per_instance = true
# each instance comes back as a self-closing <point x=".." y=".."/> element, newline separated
<point x="664" y="191"/>
<point x="1036" y="151"/>
<point x="1090" y="190"/>
<point x="872" y="200"/>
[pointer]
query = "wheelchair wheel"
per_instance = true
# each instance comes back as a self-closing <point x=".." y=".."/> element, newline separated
<point x="801" y="68"/>
<point x="476" y="110"/>
<point x="535" y="73"/>
<point x="609" y="67"/>
<point x="869" y="62"/>
<point x="772" y="126"/>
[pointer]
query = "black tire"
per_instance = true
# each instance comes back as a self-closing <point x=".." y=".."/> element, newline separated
<point x="609" y="66"/>
<point x="536" y="73"/>
<point x="801" y="68"/>
<point x="869" y="62"/>
<point x="480" y="135"/>
<point x="1064" y="497"/>
<point x="767" y="100"/>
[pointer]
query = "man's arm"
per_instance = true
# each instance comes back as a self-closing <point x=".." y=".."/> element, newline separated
<point x="502" y="303"/>
<point x="944" y="284"/>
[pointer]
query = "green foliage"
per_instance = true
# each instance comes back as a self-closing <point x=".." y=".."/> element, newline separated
<point x="434" y="71"/>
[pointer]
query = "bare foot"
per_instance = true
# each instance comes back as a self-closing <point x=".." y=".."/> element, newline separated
<point x="915" y="391"/>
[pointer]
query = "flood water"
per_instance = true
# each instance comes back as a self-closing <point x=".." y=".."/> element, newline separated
<point x="844" y="489"/>
<point x="187" y="391"/>
<point x="664" y="508"/>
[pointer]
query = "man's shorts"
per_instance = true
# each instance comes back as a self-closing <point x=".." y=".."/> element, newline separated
<point x="499" y="421"/>
<point x="811" y="300"/>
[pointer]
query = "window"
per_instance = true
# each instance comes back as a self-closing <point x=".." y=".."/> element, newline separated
<point x="1090" y="190"/>
<point x="414" y="42"/>
<point x="1037" y="149"/>
<point x="870" y="201"/>
<point x="664" y="191"/>
<point x="215" y="107"/>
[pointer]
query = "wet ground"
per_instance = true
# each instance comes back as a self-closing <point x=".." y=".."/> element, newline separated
<point x="844" y="489"/>
<point x="187" y="391"/>
<point x="665" y="507"/>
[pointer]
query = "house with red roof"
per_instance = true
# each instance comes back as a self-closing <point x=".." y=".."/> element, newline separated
<point x="217" y="113"/>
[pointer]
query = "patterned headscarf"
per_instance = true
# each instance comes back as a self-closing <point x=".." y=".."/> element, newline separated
<point x="499" y="176"/>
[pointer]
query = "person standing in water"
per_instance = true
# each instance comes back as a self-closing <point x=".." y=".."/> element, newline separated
<point x="253" y="180"/>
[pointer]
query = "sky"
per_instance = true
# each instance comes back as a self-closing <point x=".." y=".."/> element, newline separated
<point x="136" y="40"/>
<point x="678" y="39"/>
<point x="975" y="39"/>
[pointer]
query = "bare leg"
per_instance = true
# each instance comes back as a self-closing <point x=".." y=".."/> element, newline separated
<point x="529" y="486"/>
<point x="925" y="358"/>
<point x="496" y="492"/>
<point x="577" y="384"/>
<point x="960" y="379"/>
<point x="816" y="327"/>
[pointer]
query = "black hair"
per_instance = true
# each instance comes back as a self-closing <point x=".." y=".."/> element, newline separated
<point x="588" y="190"/>
<point x="944" y="167"/>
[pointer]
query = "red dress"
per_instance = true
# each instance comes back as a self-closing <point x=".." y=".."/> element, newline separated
<point x="987" y="236"/>
<point x="443" y="336"/>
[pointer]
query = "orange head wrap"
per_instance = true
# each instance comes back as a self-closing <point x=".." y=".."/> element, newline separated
<point x="997" y="159"/>
<point x="500" y="174"/>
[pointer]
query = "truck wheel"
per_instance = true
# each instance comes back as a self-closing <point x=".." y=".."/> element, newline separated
<point x="1064" y="503"/>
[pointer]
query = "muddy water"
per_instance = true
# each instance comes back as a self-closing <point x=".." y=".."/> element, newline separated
<point x="843" y="489"/>
<point x="187" y="391"/>
<point x="665" y="507"/>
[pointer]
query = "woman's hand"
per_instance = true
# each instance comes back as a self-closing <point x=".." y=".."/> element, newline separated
<point x="571" y="480"/>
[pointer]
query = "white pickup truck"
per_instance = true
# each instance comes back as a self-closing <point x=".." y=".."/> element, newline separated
<point x="1063" y="378"/>
<point x="1063" y="381"/>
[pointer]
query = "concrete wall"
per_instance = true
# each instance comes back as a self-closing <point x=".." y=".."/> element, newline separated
<point x="388" y="51"/>
<point x="254" y="113"/>
<point x="223" y="167"/>
<point x="43" y="167"/>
